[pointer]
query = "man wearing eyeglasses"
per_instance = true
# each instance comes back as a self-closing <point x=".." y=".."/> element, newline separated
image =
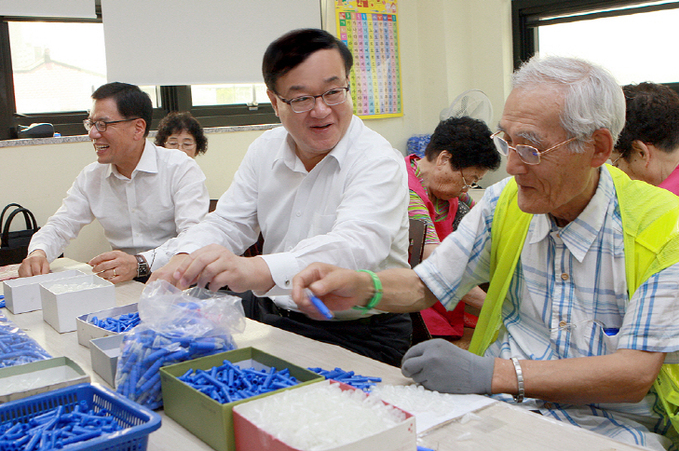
<point x="141" y="194"/>
<point x="580" y="320"/>
<point x="323" y="187"/>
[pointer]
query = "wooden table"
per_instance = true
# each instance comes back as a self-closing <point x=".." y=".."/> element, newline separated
<point x="501" y="426"/>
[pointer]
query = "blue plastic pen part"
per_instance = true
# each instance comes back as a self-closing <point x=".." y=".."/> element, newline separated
<point x="325" y="311"/>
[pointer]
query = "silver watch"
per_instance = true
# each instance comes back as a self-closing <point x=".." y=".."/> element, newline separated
<point x="142" y="266"/>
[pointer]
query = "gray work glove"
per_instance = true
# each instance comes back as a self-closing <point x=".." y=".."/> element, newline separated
<point x="440" y="365"/>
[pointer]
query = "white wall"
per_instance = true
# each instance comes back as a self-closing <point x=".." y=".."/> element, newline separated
<point x="447" y="47"/>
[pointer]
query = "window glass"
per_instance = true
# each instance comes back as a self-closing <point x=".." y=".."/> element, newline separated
<point x="203" y="95"/>
<point x="58" y="65"/>
<point x="633" y="47"/>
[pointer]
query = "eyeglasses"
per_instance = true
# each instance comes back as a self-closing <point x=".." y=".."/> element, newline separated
<point x="614" y="163"/>
<point x="331" y="97"/>
<point x="467" y="186"/>
<point x="101" y="126"/>
<point x="528" y="154"/>
<point x="178" y="145"/>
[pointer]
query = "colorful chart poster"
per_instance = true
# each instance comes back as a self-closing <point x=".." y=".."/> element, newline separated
<point x="370" y="29"/>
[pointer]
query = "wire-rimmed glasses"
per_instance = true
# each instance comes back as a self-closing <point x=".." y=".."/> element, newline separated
<point x="467" y="186"/>
<point x="101" y="126"/>
<point x="528" y="154"/>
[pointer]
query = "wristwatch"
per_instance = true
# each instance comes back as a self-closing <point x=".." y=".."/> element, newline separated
<point x="142" y="266"/>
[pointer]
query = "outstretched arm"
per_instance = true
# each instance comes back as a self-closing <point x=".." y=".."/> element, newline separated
<point x="341" y="289"/>
<point x="215" y="266"/>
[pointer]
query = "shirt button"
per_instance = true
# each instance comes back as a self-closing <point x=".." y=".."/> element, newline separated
<point x="563" y="324"/>
<point x="564" y="276"/>
<point x="287" y="283"/>
<point x="298" y="214"/>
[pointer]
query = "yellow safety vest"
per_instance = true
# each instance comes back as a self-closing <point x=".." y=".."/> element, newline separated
<point x="650" y="223"/>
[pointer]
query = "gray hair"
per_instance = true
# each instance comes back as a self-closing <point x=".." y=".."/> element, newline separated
<point x="592" y="97"/>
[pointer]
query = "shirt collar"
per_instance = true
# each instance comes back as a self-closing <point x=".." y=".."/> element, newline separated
<point x="147" y="163"/>
<point x="579" y="234"/>
<point x="287" y="155"/>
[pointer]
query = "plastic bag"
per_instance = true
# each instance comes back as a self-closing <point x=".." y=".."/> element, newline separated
<point x="16" y="347"/>
<point x="175" y="326"/>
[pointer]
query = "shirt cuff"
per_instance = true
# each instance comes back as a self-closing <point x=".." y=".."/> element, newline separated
<point x="283" y="267"/>
<point x="45" y="250"/>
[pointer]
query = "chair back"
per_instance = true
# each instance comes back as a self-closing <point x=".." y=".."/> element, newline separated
<point x="417" y="232"/>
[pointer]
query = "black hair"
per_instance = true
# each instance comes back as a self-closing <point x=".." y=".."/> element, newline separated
<point x="130" y="100"/>
<point x="294" y="47"/>
<point x="467" y="140"/>
<point x="652" y="117"/>
<point x="176" y="122"/>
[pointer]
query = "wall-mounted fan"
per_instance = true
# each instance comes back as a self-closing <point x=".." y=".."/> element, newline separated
<point x="473" y="103"/>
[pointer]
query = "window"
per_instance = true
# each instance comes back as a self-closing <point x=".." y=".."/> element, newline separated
<point x="251" y="94"/>
<point x="629" y="38"/>
<point x="55" y="67"/>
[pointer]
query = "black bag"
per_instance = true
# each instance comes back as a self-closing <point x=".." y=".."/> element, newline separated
<point x="14" y="245"/>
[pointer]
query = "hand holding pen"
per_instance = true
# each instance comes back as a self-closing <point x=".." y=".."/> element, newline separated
<point x="322" y="308"/>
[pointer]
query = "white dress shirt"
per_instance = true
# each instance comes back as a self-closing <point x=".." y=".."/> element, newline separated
<point x="349" y="210"/>
<point x="164" y="196"/>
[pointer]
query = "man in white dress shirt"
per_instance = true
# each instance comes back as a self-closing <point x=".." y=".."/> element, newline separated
<point x="323" y="187"/>
<point x="142" y="195"/>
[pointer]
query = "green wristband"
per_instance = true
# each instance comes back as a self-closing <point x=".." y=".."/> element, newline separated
<point x="377" y="297"/>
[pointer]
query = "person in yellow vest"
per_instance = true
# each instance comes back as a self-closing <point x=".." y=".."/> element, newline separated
<point x="580" y="321"/>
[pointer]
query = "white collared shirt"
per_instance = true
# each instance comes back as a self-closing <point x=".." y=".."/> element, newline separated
<point x="349" y="210"/>
<point x="165" y="195"/>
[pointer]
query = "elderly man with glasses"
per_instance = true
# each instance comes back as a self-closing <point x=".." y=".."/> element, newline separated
<point x="580" y="321"/>
<point x="323" y="187"/>
<point x="142" y="195"/>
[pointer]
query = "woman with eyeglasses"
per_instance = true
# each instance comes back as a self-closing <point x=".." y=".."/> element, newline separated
<point x="181" y="131"/>
<point x="457" y="157"/>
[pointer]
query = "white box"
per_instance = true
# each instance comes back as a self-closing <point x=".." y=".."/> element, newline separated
<point x="21" y="381"/>
<point x="104" y="353"/>
<point x="88" y="331"/>
<point x="61" y="310"/>
<point x="250" y="437"/>
<point x="23" y="295"/>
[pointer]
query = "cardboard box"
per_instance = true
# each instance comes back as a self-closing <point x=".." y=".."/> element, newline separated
<point x="88" y="331"/>
<point x="61" y="310"/>
<point x="23" y="295"/>
<point x="250" y="437"/>
<point x="207" y="419"/>
<point x="104" y="352"/>
<point x="21" y="381"/>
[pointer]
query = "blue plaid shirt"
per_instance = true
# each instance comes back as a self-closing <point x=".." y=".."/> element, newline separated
<point x="568" y="298"/>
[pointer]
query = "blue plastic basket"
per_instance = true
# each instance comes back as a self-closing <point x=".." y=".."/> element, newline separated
<point x="137" y="421"/>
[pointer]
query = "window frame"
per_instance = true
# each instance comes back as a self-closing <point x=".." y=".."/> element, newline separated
<point x="527" y="15"/>
<point x="171" y="98"/>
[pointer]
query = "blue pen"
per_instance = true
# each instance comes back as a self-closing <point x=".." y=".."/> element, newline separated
<point x="325" y="311"/>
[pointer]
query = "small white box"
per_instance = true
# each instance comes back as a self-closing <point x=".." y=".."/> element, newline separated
<point x="61" y="310"/>
<point x="23" y="294"/>
<point x="104" y="353"/>
<point x="88" y="331"/>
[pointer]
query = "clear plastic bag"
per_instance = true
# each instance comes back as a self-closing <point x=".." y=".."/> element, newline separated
<point x="16" y="347"/>
<point x="175" y="326"/>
